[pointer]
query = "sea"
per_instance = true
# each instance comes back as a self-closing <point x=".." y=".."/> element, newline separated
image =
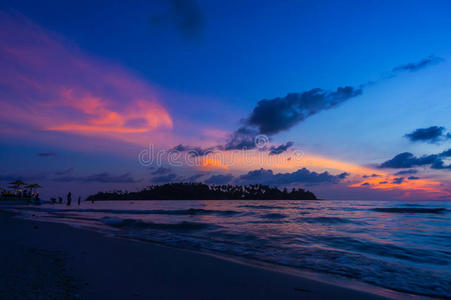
<point x="403" y="246"/>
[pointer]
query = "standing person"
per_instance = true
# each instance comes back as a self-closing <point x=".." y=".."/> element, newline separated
<point x="60" y="199"/>
<point x="79" y="200"/>
<point x="69" y="198"/>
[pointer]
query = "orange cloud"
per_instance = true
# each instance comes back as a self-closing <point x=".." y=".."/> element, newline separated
<point x="139" y="117"/>
<point x="53" y="87"/>
<point x="208" y="163"/>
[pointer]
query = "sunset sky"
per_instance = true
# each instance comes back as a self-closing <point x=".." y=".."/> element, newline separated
<point x="347" y="100"/>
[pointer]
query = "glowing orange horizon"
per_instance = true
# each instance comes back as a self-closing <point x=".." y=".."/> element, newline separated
<point x="243" y="161"/>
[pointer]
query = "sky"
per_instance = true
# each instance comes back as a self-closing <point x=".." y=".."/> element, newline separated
<point x="347" y="99"/>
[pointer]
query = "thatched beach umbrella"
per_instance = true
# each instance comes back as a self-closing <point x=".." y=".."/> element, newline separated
<point x="17" y="184"/>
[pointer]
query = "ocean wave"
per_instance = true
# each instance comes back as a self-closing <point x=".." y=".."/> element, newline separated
<point x="138" y="224"/>
<point x="345" y="263"/>
<point x="274" y="216"/>
<point x="190" y="211"/>
<point x="262" y="206"/>
<point x="329" y="220"/>
<point x="385" y="250"/>
<point x="358" y="245"/>
<point x="410" y="210"/>
<point x="194" y="211"/>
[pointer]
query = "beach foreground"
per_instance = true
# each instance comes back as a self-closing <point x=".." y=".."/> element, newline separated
<point x="41" y="260"/>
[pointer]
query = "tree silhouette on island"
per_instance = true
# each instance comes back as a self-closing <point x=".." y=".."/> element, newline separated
<point x="200" y="191"/>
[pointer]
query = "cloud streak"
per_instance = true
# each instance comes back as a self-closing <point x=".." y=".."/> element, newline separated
<point x="275" y="150"/>
<point x="280" y="114"/>
<point x="432" y="135"/>
<point x="419" y="65"/>
<point x="46" y="154"/>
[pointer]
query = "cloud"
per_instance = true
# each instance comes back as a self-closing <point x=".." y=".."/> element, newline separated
<point x="416" y="66"/>
<point x="408" y="160"/>
<point x="440" y="165"/>
<point x="219" y="179"/>
<point x="398" y="180"/>
<point x="28" y="178"/>
<point x="195" y="177"/>
<point x="184" y="15"/>
<point x="46" y="154"/>
<point x="274" y="150"/>
<point x="64" y="172"/>
<point x="242" y="138"/>
<point x="52" y="87"/>
<point x="193" y="150"/>
<point x="413" y="178"/>
<point x="431" y="134"/>
<point x="406" y="172"/>
<point x="372" y="175"/>
<point x="104" y="177"/>
<point x="160" y="170"/>
<point x="164" y="178"/>
<point x="279" y="114"/>
<point x="303" y="175"/>
<point x="446" y="153"/>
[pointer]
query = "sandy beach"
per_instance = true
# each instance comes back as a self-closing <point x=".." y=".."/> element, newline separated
<point x="41" y="260"/>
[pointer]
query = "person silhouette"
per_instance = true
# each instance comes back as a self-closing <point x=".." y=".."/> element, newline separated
<point x="60" y="199"/>
<point x="69" y="198"/>
<point x="79" y="200"/>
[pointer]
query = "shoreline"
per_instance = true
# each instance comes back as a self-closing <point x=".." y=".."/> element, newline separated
<point x="114" y="267"/>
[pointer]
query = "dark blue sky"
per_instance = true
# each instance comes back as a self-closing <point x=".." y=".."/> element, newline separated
<point x="247" y="50"/>
<point x="208" y="63"/>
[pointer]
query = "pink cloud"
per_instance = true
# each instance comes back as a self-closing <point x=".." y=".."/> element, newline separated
<point x="50" y="85"/>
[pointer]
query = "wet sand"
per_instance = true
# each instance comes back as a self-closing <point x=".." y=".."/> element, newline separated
<point x="40" y="260"/>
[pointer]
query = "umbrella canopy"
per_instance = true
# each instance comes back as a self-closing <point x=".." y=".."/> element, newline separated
<point x="33" y="186"/>
<point x="17" y="183"/>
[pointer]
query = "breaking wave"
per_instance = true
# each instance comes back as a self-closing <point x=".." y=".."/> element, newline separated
<point x="329" y="220"/>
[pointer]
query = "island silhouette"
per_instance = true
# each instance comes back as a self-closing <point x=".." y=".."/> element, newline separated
<point x="201" y="191"/>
